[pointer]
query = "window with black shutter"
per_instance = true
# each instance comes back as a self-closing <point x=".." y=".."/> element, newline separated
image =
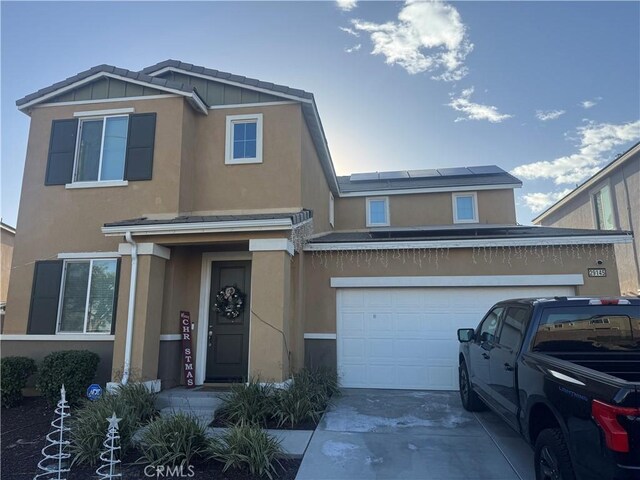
<point x="45" y="294"/>
<point x="108" y="148"/>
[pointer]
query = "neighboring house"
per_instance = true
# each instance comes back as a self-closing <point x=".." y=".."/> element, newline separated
<point x="609" y="200"/>
<point x="150" y="193"/>
<point x="7" y="236"/>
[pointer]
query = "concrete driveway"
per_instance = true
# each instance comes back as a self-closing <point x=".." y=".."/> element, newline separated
<point x="399" y="434"/>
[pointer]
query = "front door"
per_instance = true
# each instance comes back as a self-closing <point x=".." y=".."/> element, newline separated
<point x="228" y="338"/>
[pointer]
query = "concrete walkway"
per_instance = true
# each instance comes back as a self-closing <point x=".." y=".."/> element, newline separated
<point x="393" y="434"/>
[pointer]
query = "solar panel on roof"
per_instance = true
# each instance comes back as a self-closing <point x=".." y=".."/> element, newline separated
<point x="430" y="172"/>
<point x="393" y="175"/>
<point x="363" y="177"/>
<point x="485" y="169"/>
<point x="454" y="172"/>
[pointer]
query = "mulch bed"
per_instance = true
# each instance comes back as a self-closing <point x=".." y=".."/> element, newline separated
<point x="222" y="422"/>
<point x="24" y="427"/>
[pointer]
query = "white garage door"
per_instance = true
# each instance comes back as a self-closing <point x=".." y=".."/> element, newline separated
<point x="406" y="337"/>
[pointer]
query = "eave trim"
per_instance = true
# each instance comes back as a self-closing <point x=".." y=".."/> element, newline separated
<point x="200" y="227"/>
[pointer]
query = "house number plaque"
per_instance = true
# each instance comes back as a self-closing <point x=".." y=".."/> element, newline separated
<point x="187" y="350"/>
<point x="597" y="272"/>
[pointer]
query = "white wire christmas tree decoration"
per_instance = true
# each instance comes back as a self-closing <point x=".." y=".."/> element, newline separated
<point x="55" y="461"/>
<point x="109" y="457"/>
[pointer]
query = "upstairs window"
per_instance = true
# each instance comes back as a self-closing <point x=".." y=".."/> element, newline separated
<point x="102" y="148"/>
<point x="244" y="139"/>
<point x="603" y="207"/>
<point x="465" y="208"/>
<point x="378" y="212"/>
<point x="87" y="296"/>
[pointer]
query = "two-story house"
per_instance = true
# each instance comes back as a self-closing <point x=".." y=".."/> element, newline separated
<point x="609" y="200"/>
<point x="180" y="188"/>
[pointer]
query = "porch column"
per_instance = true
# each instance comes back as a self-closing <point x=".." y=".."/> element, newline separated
<point x="149" y="290"/>
<point x="269" y="341"/>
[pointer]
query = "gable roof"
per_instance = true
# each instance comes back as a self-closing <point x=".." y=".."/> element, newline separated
<point x="226" y="77"/>
<point x="104" y="70"/>
<point x="626" y="156"/>
<point x="407" y="181"/>
<point x="306" y="99"/>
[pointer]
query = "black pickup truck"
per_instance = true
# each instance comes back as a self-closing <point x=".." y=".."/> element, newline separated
<point x="565" y="373"/>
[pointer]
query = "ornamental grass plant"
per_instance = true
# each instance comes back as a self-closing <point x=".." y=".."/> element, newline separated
<point x="247" y="447"/>
<point x="303" y="400"/>
<point x="250" y="403"/>
<point x="132" y="403"/>
<point x="175" y="440"/>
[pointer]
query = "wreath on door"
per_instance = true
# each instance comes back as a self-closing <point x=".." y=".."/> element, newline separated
<point x="229" y="302"/>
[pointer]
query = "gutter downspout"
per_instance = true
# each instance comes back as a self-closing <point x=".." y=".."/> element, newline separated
<point x="132" y="306"/>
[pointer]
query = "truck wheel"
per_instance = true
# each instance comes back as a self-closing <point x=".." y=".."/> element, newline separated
<point x="470" y="399"/>
<point x="552" y="460"/>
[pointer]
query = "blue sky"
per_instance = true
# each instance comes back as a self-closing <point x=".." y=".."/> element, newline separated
<point x="546" y="90"/>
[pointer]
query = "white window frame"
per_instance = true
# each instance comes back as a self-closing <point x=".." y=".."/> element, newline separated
<point x="86" y="306"/>
<point x="76" y="157"/>
<point x="248" y="118"/>
<point x="386" y="204"/>
<point x="454" y="203"/>
<point x="332" y="213"/>
<point x="594" y="207"/>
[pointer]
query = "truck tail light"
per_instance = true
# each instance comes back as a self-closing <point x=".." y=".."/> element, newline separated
<point x="606" y="416"/>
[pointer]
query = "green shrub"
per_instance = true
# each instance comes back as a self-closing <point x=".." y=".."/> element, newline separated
<point x="250" y="403"/>
<point x="298" y="403"/>
<point x="75" y="369"/>
<point x="327" y="378"/>
<point x="248" y="447"/>
<point x="132" y="403"/>
<point x="173" y="440"/>
<point x="14" y="372"/>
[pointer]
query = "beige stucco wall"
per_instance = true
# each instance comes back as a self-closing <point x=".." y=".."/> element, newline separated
<point x="320" y="297"/>
<point x="53" y="219"/>
<point x="7" y="241"/>
<point x="494" y="207"/>
<point x="315" y="189"/>
<point x="624" y="183"/>
<point x="272" y="184"/>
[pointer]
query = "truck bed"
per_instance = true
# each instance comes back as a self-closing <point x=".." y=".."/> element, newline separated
<point x="622" y="365"/>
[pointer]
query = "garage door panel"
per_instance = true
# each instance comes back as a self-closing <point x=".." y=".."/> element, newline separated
<point x="353" y="323"/>
<point x="406" y="337"/>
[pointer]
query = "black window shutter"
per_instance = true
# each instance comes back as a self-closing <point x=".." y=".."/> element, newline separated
<point x="115" y="298"/>
<point x="45" y="294"/>
<point x="140" y="141"/>
<point x="62" y="151"/>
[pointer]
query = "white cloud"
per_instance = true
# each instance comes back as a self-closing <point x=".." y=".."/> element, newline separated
<point x="428" y="37"/>
<point x="595" y="141"/>
<point x="355" y="48"/>
<point x="347" y="5"/>
<point x="590" y="103"/>
<point x="537" y="202"/>
<point x="475" y="111"/>
<point x="350" y="31"/>
<point x="549" y="115"/>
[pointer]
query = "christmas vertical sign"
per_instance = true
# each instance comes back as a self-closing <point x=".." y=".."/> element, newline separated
<point x="188" y="361"/>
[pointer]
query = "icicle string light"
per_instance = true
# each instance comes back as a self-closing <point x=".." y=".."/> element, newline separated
<point x="438" y="256"/>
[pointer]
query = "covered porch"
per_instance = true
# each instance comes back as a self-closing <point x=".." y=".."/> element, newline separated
<point x="239" y="278"/>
